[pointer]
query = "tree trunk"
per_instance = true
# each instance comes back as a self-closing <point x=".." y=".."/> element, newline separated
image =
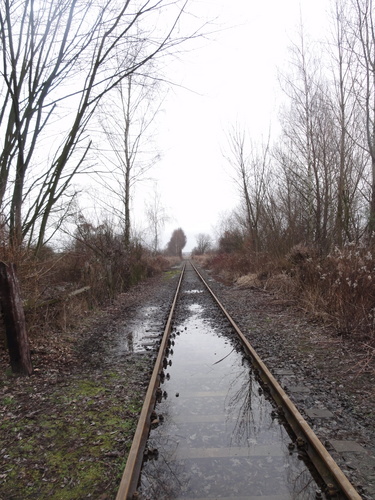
<point x="372" y="202"/>
<point x="14" y="320"/>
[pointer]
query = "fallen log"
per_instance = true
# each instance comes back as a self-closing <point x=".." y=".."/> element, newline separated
<point x="55" y="300"/>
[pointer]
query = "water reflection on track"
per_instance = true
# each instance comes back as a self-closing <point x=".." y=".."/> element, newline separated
<point x="216" y="434"/>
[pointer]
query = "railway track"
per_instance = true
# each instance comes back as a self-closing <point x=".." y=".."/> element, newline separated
<point x="215" y="423"/>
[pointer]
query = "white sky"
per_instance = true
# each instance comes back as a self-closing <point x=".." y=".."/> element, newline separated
<point x="232" y="79"/>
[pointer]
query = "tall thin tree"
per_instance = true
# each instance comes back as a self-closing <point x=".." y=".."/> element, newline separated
<point x="58" y="61"/>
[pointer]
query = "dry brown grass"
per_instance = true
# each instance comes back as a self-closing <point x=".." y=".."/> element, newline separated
<point x="338" y="289"/>
<point x="171" y="261"/>
<point x="248" y="281"/>
<point x="48" y="281"/>
<point x="281" y="283"/>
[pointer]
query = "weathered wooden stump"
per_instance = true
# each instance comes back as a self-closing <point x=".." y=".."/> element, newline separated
<point x="14" y="320"/>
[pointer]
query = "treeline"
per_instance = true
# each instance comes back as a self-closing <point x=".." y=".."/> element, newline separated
<point x="315" y="184"/>
<point x="305" y="225"/>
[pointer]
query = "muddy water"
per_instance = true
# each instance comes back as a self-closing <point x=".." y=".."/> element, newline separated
<point x="218" y="436"/>
<point x="140" y="333"/>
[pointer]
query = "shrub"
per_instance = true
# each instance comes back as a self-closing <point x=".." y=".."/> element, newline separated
<point x="340" y="288"/>
<point x="99" y="264"/>
<point x="231" y="241"/>
<point x="230" y="266"/>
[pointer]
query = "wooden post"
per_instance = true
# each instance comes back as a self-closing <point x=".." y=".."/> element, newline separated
<point x="14" y="319"/>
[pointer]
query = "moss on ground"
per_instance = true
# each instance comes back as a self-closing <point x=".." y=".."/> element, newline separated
<point x="70" y="440"/>
<point x="171" y="273"/>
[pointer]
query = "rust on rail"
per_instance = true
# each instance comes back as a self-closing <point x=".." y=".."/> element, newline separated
<point x="318" y="454"/>
<point x="330" y="472"/>
<point x="128" y="485"/>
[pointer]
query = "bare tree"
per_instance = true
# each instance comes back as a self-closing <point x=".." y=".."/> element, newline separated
<point x="128" y="153"/>
<point x="350" y="164"/>
<point x="309" y="160"/>
<point x="250" y="170"/>
<point x="176" y="243"/>
<point x="204" y="243"/>
<point x="343" y="63"/>
<point x="58" y="61"/>
<point x="324" y="185"/>
<point x="157" y="217"/>
<point x="363" y="46"/>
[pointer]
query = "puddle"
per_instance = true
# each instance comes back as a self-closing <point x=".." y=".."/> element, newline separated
<point x="140" y="333"/>
<point x="218" y="437"/>
<point x="195" y="308"/>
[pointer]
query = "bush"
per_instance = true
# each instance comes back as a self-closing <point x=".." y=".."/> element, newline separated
<point x="230" y="266"/>
<point x="99" y="265"/>
<point x="340" y="288"/>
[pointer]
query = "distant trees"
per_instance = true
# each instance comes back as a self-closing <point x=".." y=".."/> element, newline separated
<point x="157" y="216"/>
<point x="176" y="243"/>
<point x="204" y="243"/>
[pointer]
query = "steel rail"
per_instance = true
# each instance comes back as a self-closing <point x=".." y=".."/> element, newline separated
<point x="320" y="457"/>
<point x="130" y="477"/>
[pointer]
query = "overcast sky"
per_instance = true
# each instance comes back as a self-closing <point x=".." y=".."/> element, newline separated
<point x="230" y="78"/>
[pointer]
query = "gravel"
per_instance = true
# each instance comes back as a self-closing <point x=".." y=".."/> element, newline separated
<point x="318" y="369"/>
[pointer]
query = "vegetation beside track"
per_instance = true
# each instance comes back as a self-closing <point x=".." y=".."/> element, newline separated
<point x="65" y="431"/>
<point x="67" y="437"/>
<point x="337" y="289"/>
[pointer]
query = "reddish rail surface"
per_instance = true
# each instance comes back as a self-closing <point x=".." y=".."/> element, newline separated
<point x="334" y="479"/>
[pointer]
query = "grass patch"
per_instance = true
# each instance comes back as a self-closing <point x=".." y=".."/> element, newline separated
<point x="171" y="273"/>
<point x="7" y="401"/>
<point x="76" y="443"/>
